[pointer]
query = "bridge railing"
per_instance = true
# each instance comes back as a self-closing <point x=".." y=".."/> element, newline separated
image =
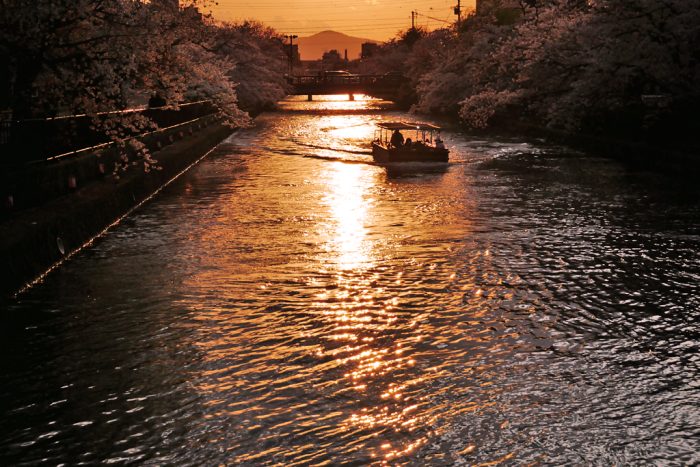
<point x="41" y="139"/>
<point x="321" y="80"/>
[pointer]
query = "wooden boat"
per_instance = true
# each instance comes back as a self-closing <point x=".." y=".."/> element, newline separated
<point x="425" y="147"/>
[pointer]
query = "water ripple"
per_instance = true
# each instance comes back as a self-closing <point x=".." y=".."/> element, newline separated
<point x="524" y="304"/>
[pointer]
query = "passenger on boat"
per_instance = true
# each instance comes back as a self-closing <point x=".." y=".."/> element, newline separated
<point x="396" y="139"/>
<point x="439" y="144"/>
<point x="409" y="142"/>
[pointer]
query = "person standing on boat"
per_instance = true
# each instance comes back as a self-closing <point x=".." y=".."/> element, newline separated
<point x="396" y="139"/>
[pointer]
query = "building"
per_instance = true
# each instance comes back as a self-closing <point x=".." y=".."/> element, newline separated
<point x="293" y="53"/>
<point x="369" y="49"/>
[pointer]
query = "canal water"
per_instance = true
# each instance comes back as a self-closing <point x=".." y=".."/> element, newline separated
<point x="287" y="302"/>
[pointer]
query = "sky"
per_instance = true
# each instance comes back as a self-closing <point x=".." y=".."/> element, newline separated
<point x="370" y="19"/>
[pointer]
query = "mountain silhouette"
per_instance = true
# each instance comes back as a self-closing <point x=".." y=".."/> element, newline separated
<point x="313" y="47"/>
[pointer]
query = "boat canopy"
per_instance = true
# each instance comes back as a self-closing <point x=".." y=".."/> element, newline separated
<point x="408" y="126"/>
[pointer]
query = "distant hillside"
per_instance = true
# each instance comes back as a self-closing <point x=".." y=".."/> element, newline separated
<point x="312" y="47"/>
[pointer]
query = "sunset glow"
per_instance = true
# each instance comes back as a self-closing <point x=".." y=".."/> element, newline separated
<point x="372" y="19"/>
<point x="360" y="232"/>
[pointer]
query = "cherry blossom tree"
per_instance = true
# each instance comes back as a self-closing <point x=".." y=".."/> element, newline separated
<point x="94" y="57"/>
<point x="464" y="68"/>
<point x="258" y="60"/>
<point x="575" y="65"/>
<point x="87" y="55"/>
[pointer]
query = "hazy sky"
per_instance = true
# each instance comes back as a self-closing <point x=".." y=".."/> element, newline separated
<point x="372" y="19"/>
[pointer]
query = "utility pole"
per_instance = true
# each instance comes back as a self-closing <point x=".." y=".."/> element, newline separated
<point x="458" y="12"/>
<point x="413" y="19"/>
<point x="291" y="38"/>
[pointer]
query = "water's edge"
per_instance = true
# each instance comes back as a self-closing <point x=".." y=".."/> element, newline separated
<point x="289" y="302"/>
<point x="35" y="241"/>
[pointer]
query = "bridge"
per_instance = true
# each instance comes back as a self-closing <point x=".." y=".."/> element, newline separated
<point x="386" y="86"/>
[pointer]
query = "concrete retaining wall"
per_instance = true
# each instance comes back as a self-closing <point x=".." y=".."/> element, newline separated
<point x="62" y="205"/>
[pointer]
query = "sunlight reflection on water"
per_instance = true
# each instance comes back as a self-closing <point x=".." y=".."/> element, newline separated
<point x="290" y="303"/>
<point x="349" y="206"/>
<point x="340" y="102"/>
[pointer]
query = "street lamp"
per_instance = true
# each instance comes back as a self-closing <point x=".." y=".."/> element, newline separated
<point x="291" y="38"/>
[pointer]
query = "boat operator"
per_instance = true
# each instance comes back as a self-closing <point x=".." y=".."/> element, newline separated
<point x="396" y="139"/>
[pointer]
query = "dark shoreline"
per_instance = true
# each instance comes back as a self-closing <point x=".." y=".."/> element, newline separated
<point x="681" y="161"/>
<point x="35" y="239"/>
<point x="637" y="154"/>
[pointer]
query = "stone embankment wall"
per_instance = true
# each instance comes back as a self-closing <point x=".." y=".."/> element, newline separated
<point x="51" y="209"/>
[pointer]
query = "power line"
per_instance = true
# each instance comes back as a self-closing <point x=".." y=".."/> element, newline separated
<point x="355" y="25"/>
<point x="346" y="21"/>
<point x="331" y="21"/>
<point x="325" y="18"/>
<point x="334" y="5"/>
<point x="325" y="6"/>
<point x="313" y="30"/>
<point x="435" y="19"/>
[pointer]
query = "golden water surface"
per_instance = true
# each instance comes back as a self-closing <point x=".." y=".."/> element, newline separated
<point x="288" y="302"/>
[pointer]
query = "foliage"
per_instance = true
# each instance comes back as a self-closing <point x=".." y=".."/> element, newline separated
<point x="413" y="54"/>
<point x="62" y="57"/>
<point x="568" y="64"/>
<point x="259" y="59"/>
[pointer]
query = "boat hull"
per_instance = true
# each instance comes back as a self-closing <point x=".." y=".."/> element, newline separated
<point x="384" y="155"/>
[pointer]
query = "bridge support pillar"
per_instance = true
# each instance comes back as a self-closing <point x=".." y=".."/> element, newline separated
<point x="352" y="97"/>
<point x="309" y="97"/>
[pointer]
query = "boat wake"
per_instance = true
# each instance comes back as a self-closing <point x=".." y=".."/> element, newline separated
<point x="338" y="159"/>
<point x="329" y="148"/>
<point x="333" y="128"/>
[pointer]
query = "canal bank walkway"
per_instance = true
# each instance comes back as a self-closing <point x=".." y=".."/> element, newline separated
<point x="82" y="198"/>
